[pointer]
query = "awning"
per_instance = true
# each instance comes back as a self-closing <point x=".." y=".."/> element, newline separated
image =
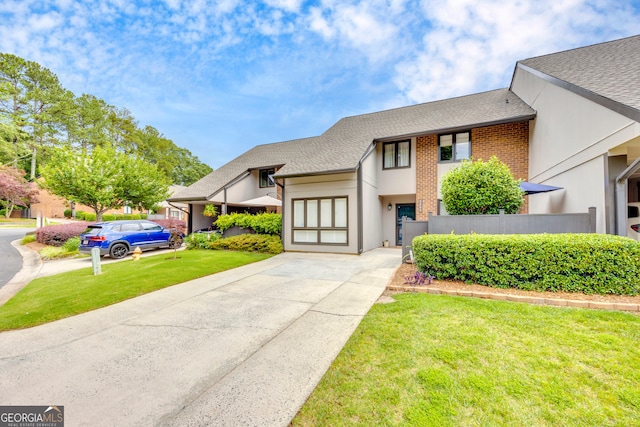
<point x="532" y="188"/>
<point x="260" y="201"/>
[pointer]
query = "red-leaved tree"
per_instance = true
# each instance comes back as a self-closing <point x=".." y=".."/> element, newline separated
<point x="15" y="190"/>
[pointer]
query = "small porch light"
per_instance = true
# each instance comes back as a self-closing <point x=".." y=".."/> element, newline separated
<point x="389" y="207"/>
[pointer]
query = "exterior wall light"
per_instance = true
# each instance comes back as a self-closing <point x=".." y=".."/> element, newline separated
<point x="389" y="207"/>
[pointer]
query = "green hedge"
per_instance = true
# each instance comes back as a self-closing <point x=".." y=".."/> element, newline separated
<point x="116" y="217"/>
<point x="264" y="223"/>
<point x="588" y="263"/>
<point x="244" y="242"/>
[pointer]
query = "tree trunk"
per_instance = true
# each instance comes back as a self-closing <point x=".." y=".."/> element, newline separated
<point x="33" y="164"/>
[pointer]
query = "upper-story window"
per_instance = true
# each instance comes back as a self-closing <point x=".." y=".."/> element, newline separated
<point x="396" y="154"/>
<point x="266" y="178"/>
<point x="454" y="147"/>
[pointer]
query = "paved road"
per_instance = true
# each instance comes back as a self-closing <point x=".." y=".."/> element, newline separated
<point x="244" y="347"/>
<point x="10" y="258"/>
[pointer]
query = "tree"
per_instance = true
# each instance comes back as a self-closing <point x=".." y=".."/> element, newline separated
<point x="477" y="188"/>
<point x="15" y="190"/>
<point x="104" y="179"/>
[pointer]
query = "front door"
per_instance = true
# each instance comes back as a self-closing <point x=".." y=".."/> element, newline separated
<point x="403" y="210"/>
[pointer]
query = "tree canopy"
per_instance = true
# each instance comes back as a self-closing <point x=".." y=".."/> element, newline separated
<point x="38" y="115"/>
<point x="104" y="179"/>
<point x="477" y="188"/>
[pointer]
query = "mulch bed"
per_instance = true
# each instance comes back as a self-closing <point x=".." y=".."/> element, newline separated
<point x="404" y="270"/>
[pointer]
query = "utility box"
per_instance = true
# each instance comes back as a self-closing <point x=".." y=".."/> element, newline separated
<point x="95" y="261"/>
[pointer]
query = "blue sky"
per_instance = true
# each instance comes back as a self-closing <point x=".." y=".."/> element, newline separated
<point x="219" y="77"/>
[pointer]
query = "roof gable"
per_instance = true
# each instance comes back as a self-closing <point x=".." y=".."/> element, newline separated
<point x="607" y="73"/>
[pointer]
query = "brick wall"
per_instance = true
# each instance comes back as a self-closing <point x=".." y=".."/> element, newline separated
<point x="426" y="175"/>
<point x="509" y="142"/>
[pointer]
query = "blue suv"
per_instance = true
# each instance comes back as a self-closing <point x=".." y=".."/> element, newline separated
<point x="118" y="238"/>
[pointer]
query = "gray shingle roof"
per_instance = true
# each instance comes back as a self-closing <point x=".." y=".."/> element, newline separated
<point x="611" y="69"/>
<point x="261" y="156"/>
<point x="343" y="145"/>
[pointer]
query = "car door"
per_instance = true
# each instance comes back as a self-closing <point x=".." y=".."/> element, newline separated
<point x="155" y="234"/>
<point x="133" y="233"/>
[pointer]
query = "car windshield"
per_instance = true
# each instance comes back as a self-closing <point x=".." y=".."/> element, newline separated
<point x="93" y="230"/>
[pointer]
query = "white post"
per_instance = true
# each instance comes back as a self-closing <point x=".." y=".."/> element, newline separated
<point x="95" y="261"/>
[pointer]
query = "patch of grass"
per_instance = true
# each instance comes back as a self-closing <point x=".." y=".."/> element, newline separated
<point x="17" y="222"/>
<point x="430" y="360"/>
<point x="29" y="238"/>
<point x="63" y="295"/>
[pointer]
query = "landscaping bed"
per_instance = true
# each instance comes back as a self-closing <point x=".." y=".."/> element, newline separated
<point x="398" y="284"/>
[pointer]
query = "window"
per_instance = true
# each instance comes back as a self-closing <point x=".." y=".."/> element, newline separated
<point x="266" y="177"/>
<point x="320" y="221"/>
<point x="396" y="155"/>
<point x="151" y="226"/>
<point x="127" y="209"/>
<point x="130" y="226"/>
<point x="454" y="147"/>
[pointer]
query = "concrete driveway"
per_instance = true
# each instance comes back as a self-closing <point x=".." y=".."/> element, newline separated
<point x="242" y="347"/>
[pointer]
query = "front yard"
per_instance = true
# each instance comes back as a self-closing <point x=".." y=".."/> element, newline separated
<point x="433" y="360"/>
<point x="51" y="298"/>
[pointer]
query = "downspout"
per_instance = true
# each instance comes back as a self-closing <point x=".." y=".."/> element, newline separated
<point x="621" y="196"/>
<point x="360" y="206"/>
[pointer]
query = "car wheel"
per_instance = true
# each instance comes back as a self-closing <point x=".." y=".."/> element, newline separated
<point x="175" y="242"/>
<point x="119" y="251"/>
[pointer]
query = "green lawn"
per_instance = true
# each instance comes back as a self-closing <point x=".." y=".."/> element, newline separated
<point x="432" y="360"/>
<point x="63" y="295"/>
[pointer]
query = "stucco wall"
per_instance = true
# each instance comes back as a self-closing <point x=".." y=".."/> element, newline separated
<point x="371" y="204"/>
<point x="396" y="181"/>
<point x="569" y="142"/>
<point x="318" y="187"/>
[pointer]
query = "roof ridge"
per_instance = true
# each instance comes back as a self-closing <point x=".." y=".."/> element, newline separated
<point x="435" y="101"/>
<point x="578" y="48"/>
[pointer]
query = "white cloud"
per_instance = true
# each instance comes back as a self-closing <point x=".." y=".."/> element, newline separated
<point x="473" y="46"/>
<point x="289" y="59"/>
<point x="288" y="5"/>
<point x="44" y="22"/>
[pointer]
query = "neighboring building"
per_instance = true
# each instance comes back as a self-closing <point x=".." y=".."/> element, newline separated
<point x="569" y="119"/>
<point x="168" y="210"/>
<point x="52" y="206"/>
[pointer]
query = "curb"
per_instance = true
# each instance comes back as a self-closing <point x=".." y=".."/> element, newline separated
<point x="557" y="302"/>
<point x="31" y="266"/>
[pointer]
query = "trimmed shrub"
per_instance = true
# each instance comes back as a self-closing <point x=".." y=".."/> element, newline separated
<point x="476" y="188"/>
<point x="250" y="243"/>
<point x="57" y="235"/>
<point x="201" y="240"/>
<point x="587" y="263"/>
<point x="264" y="223"/>
<point x="67" y="213"/>
<point x="80" y="214"/>
<point x="72" y="244"/>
